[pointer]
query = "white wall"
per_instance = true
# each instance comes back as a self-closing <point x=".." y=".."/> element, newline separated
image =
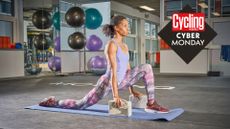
<point x="12" y="63"/>
<point x="222" y="27"/>
<point x="171" y="63"/>
<point x="64" y="34"/>
<point x="69" y="61"/>
<point x="217" y="64"/>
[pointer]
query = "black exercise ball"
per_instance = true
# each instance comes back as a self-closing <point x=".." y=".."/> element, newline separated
<point x="42" y="42"/>
<point x="77" y="40"/>
<point x="42" y="19"/>
<point x="75" y="17"/>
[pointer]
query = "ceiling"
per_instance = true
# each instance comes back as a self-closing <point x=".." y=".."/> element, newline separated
<point x="136" y="3"/>
<point x="31" y="6"/>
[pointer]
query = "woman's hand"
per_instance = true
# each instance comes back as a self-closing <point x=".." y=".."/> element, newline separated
<point x="117" y="101"/>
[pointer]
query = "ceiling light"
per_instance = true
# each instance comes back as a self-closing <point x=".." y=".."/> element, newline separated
<point x="216" y="14"/>
<point x="203" y="5"/>
<point x="147" y="8"/>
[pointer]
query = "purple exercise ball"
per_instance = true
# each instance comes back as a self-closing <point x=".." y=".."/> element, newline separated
<point x="57" y="44"/>
<point x="94" y="43"/>
<point x="54" y="63"/>
<point x="97" y="65"/>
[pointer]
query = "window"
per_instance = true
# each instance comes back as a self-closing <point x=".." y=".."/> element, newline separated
<point x="6" y="7"/>
<point x="147" y="29"/>
<point x="220" y="8"/>
<point x="151" y="42"/>
<point x="130" y="40"/>
<point x="202" y="6"/>
<point x="174" y="6"/>
<point x="7" y="28"/>
<point x="153" y="31"/>
<point x="132" y="25"/>
<point x="147" y="45"/>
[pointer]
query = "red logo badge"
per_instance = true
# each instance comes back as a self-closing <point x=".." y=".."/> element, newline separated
<point x="188" y="22"/>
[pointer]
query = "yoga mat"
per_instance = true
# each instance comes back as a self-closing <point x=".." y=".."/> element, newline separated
<point x="102" y="110"/>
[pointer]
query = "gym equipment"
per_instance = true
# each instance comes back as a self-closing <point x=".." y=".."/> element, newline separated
<point x="33" y="70"/>
<point x="94" y="43"/>
<point x="138" y="103"/>
<point x="56" y="20"/>
<point x="12" y="46"/>
<point x="42" y="19"/>
<point x="93" y="18"/>
<point x="4" y="42"/>
<point x="77" y="40"/>
<point x="18" y="45"/>
<point x="41" y="41"/>
<point x="57" y="44"/>
<point x="54" y="63"/>
<point x="97" y="65"/>
<point x="124" y="110"/>
<point x="102" y="110"/>
<point x="75" y="17"/>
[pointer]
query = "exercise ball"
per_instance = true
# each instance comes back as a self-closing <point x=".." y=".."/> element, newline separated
<point x="93" y="18"/>
<point x="54" y="63"/>
<point x="97" y="65"/>
<point x="77" y="40"/>
<point x="75" y="17"/>
<point x="42" y="19"/>
<point x="56" y="20"/>
<point x="94" y="43"/>
<point x="41" y="41"/>
<point x="57" y="44"/>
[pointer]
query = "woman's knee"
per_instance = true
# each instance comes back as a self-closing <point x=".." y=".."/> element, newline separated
<point x="147" y="67"/>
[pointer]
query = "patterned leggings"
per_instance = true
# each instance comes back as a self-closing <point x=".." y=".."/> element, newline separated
<point x="103" y="88"/>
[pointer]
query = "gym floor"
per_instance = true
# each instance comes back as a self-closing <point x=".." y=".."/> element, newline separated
<point x="205" y="100"/>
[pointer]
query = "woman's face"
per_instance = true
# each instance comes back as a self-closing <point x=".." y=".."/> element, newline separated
<point x="122" y="28"/>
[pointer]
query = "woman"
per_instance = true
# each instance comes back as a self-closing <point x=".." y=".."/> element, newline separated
<point x="118" y="76"/>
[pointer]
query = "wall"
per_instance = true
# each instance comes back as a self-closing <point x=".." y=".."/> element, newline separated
<point x="12" y="63"/>
<point x="171" y="63"/>
<point x="221" y="26"/>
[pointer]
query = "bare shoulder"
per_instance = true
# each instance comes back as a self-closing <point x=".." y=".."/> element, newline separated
<point x="111" y="46"/>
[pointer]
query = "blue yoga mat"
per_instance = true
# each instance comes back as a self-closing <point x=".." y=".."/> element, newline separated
<point x="102" y="110"/>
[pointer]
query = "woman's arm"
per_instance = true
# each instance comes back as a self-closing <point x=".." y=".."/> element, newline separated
<point x="131" y="89"/>
<point x="128" y="67"/>
<point x="112" y="50"/>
